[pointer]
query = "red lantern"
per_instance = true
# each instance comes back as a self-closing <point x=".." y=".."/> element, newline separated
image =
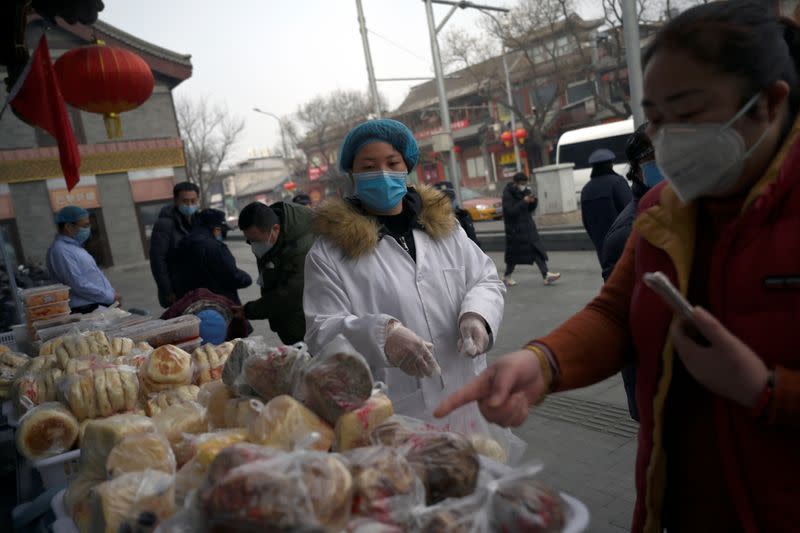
<point x="507" y="138"/>
<point x="290" y="185"/>
<point x="456" y="149"/>
<point x="101" y="79"/>
<point x="521" y="135"/>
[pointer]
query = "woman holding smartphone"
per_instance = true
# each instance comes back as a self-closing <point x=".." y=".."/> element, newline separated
<point x="720" y="421"/>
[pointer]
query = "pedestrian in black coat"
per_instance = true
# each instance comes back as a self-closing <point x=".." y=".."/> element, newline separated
<point x="463" y="216"/>
<point x="173" y="224"/>
<point x="603" y="198"/>
<point x="523" y="244"/>
<point x="205" y="262"/>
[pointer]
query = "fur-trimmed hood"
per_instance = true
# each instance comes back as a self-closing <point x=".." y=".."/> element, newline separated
<point x="350" y="228"/>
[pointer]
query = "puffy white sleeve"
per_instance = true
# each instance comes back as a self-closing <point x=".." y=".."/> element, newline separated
<point x="485" y="292"/>
<point x="329" y="311"/>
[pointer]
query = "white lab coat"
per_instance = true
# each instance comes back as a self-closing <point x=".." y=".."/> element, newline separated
<point x="357" y="298"/>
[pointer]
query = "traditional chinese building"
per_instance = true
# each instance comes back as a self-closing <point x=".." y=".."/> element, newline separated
<point x="124" y="182"/>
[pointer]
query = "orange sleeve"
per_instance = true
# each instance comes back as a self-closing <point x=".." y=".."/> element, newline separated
<point x="595" y="343"/>
<point x="784" y="409"/>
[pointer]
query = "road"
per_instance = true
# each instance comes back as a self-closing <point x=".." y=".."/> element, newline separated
<point x="584" y="438"/>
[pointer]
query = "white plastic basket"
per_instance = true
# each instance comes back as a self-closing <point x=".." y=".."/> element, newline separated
<point x="58" y="471"/>
<point x="63" y="523"/>
<point x="9" y="339"/>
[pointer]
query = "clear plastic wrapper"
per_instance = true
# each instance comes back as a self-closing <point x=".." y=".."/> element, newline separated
<point x="189" y="518"/>
<point x="45" y="311"/>
<point x="243" y="349"/>
<point x="353" y="429"/>
<point x="288" y="492"/>
<point x="46" y="430"/>
<point x="191" y="345"/>
<point x="336" y="381"/>
<point x="205" y="446"/>
<point x="276" y="371"/>
<point x="446" y="462"/>
<point x="173" y="331"/>
<point x="139" y="452"/>
<point x="138" y="331"/>
<point x="520" y="502"/>
<point x="132" y="500"/>
<point x="386" y="487"/>
<point x="167" y="367"/>
<point x="367" y="525"/>
<point x="121" y="346"/>
<point x="284" y="423"/>
<point x="214" y="396"/>
<point x="209" y="360"/>
<point x="160" y="401"/>
<point x="234" y="456"/>
<point x="11" y="364"/>
<point x="91" y="362"/>
<point x="100" y="392"/>
<point x="462" y="515"/>
<point x="241" y="412"/>
<point x="175" y="420"/>
<point x="79" y="345"/>
<point x="102" y="435"/>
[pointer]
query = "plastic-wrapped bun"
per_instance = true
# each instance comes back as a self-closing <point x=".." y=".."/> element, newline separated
<point x="140" y="452"/>
<point x="132" y="500"/>
<point x="463" y="515"/>
<point x="275" y="372"/>
<point x="519" y="502"/>
<point x="206" y="445"/>
<point x="235" y="456"/>
<point x="160" y="401"/>
<point x="329" y="485"/>
<point x="243" y="349"/>
<point x="353" y="429"/>
<point x="386" y="486"/>
<point x="488" y="447"/>
<point x="368" y="525"/>
<point x="338" y="380"/>
<point x="167" y="367"/>
<point x="240" y="412"/>
<point x="175" y="420"/>
<point x="209" y="360"/>
<point x="214" y="396"/>
<point x="46" y="430"/>
<point x="286" y="423"/>
<point x="102" y="435"/>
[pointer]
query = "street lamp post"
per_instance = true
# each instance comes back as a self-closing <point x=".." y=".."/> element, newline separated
<point x="630" y="27"/>
<point x="373" y="85"/>
<point x="280" y="124"/>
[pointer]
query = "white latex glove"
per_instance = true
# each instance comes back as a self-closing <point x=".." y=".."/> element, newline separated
<point x="408" y="352"/>
<point x="474" y="337"/>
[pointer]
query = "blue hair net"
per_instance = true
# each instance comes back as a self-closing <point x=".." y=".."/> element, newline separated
<point x="213" y="328"/>
<point x="384" y="129"/>
<point x="71" y="214"/>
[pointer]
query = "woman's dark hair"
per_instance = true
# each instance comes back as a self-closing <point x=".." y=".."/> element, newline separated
<point x="637" y="148"/>
<point x="738" y="37"/>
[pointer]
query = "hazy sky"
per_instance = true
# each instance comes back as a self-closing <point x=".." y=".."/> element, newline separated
<point x="278" y="54"/>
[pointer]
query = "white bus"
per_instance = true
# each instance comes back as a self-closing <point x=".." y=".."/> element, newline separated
<point x="577" y="145"/>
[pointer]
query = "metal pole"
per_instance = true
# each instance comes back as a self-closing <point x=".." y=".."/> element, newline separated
<point x="280" y="125"/>
<point x="510" y="106"/>
<point x="373" y="85"/>
<point x="630" y="26"/>
<point x="443" y="109"/>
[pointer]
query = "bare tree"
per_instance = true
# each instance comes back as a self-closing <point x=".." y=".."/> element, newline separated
<point x="209" y="133"/>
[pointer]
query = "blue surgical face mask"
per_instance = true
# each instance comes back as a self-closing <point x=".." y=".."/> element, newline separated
<point x="83" y="235"/>
<point x="220" y="238"/>
<point x="187" y="210"/>
<point x="381" y="190"/>
<point x="652" y="174"/>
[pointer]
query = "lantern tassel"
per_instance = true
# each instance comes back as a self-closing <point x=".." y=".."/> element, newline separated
<point x="113" y="125"/>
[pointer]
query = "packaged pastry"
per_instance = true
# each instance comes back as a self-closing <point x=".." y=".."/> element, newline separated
<point x="386" y="486"/>
<point x="209" y="360"/>
<point x="206" y="445"/>
<point x="243" y="349"/>
<point x="276" y="371"/>
<point x="461" y="515"/>
<point x="175" y="420"/>
<point x="118" y="504"/>
<point x="214" y="396"/>
<point x="240" y="412"/>
<point x="139" y="452"/>
<point x="101" y="392"/>
<point x="285" y="423"/>
<point x="521" y="503"/>
<point x="353" y="428"/>
<point x="121" y="346"/>
<point x="336" y="381"/>
<point x="103" y="434"/>
<point x="167" y="367"/>
<point x="46" y="430"/>
<point x="159" y="401"/>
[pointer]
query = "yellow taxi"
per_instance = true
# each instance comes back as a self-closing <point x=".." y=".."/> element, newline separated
<point x="481" y="207"/>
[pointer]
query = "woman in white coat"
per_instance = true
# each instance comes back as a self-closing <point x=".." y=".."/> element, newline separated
<point x="394" y="273"/>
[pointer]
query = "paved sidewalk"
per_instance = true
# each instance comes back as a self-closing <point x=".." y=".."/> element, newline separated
<point x="585" y="438"/>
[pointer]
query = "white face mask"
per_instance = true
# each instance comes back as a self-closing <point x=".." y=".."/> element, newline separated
<point x="703" y="159"/>
<point x="261" y="248"/>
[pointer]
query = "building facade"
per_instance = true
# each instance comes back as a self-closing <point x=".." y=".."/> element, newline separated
<point x="258" y="179"/>
<point x="124" y="182"/>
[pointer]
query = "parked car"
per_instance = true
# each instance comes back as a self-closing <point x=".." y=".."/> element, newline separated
<point x="479" y="207"/>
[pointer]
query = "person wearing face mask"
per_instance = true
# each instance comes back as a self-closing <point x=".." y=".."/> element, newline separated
<point x="719" y="415"/>
<point x="173" y="224"/>
<point x="69" y="263"/>
<point x="280" y="236"/>
<point x="523" y="244"/>
<point x="603" y="198"/>
<point x="394" y="273"/>
<point x="205" y="262"/>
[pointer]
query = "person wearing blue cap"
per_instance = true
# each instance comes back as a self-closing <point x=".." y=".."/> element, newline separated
<point x="205" y="262"/>
<point x="394" y="273"/>
<point x="603" y="198"/>
<point x="69" y="263"/>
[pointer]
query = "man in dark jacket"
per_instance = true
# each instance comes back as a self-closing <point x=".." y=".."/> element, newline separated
<point x="603" y="198"/>
<point x="205" y="262"/>
<point x="173" y="224"/>
<point x="280" y="237"/>
<point x="523" y="245"/>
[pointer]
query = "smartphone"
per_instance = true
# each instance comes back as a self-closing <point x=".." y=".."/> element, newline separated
<point x="661" y="284"/>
